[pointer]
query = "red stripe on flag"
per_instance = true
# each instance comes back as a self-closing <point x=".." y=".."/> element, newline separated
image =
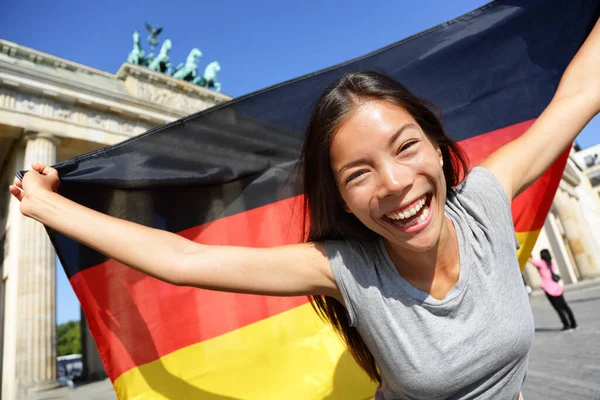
<point x="530" y="208"/>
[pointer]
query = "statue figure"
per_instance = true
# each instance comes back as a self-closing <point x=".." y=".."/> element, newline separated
<point x="209" y="79"/>
<point x="187" y="72"/>
<point x="152" y="37"/>
<point x="136" y="56"/>
<point x="148" y="59"/>
<point x="161" y="63"/>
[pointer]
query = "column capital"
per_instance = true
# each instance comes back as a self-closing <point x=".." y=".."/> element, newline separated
<point x="32" y="135"/>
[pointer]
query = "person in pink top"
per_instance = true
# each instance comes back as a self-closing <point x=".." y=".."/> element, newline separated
<point x="553" y="290"/>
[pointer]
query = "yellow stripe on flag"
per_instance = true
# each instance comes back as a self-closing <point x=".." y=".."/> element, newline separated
<point x="526" y="241"/>
<point x="293" y="355"/>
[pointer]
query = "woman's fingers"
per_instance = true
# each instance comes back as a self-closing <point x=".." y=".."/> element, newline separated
<point x="44" y="169"/>
<point x="16" y="191"/>
<point x="38" y="167"/>
<point x="50" y="171"/>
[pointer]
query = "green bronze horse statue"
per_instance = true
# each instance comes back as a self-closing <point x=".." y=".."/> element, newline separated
<point x="209" y="79"/>
<point x="187" y="72"/>
<point x="136" y="55"/>
<point x="161" y="62"/>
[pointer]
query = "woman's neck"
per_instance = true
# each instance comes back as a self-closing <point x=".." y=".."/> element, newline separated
<point x="435" y="270"/>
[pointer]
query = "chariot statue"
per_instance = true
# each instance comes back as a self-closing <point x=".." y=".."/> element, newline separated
<point x="187" y="71"/>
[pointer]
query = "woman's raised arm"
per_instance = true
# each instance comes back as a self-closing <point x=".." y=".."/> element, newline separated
<point x="300" y="269"/>
<point x="577" y="100"/>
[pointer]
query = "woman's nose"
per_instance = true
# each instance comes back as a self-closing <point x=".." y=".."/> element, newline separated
<point x="393" y="182"/>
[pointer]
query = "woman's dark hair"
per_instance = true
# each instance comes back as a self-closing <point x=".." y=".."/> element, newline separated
<point x="545" y="255"/>
<point x="323" y="205"/>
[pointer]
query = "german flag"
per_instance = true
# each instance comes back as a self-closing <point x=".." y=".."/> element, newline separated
<point x="224" y="176"/>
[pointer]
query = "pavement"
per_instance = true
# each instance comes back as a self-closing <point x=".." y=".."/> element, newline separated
<point x="563" y="365"/>
<point x="100" y="390"/>
<point x="566" y="365"/>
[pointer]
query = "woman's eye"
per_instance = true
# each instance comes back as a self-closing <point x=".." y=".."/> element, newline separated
<point x="407" y="145"/>
<point x="354" y="176"/>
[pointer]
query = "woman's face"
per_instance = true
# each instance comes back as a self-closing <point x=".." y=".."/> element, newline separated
<point x="390" y="175"/>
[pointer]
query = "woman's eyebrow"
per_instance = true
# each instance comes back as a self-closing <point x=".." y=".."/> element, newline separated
<point x="351" y="164"/>
<point x="399" y="132"/>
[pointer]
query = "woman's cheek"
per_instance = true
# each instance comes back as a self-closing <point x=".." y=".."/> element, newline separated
<point x="357" y="202"/>
<point x="366" y="204"/>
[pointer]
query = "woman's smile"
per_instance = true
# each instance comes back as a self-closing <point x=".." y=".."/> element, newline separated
<point x="412" y="218"/>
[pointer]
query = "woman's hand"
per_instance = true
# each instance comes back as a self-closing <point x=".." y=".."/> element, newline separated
<point x="577" y="100"/>
<point x="40" y="179"/>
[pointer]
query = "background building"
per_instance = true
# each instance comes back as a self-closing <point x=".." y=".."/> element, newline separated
<point x="572" y="229"/>
<point x="53" y="109"/>
<point x="589" y="160"/>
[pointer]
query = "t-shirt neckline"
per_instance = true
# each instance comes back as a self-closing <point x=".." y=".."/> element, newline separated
<point x="421" y="297"/>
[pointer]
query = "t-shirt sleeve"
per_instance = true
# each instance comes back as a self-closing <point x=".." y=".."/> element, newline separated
<point x="485" y="196"/>
<point x="342" y="257"/>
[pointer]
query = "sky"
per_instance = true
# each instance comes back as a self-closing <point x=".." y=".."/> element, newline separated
<point x="257" y="43"/>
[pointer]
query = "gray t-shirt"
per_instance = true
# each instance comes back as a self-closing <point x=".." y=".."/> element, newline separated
<point x="473" y="344"/>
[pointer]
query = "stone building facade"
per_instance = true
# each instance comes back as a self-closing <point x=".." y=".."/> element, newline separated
<point x="589" y="160"/>
<point x="572" y="229"/>
<point x="53" y="109"/>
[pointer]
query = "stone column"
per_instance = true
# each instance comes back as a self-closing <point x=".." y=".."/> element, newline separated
<point x="36" y="317"/>
<point x="579" y="243"/>
<point x="10" y="274"/>
<point x="560" y="251"/>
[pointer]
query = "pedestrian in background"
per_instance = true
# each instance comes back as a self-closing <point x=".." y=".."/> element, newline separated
<point x="553" y="289"/>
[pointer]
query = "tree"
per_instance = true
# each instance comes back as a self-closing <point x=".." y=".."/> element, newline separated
<point x="68" y="338"/>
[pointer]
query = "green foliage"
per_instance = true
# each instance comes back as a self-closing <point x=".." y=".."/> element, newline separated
<point x="68" y="338"/>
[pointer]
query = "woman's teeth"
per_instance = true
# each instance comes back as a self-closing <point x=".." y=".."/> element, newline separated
<point x="398" y="216"/>
<point x="415" y="221"/>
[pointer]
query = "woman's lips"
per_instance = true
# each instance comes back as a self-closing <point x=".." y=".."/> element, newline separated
<point x="416" y="222"/>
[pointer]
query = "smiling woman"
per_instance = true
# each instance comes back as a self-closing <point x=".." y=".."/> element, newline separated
<point x="409" y="256"/>
<point x="377" y="164"/>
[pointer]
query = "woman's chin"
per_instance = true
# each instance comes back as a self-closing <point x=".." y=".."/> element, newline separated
<point x="423" y="242"/>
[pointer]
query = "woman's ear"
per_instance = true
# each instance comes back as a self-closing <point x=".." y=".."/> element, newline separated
<point x="346" y="208"/>
<point x="342" y="202"/>
<point x="440" y="155"/>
